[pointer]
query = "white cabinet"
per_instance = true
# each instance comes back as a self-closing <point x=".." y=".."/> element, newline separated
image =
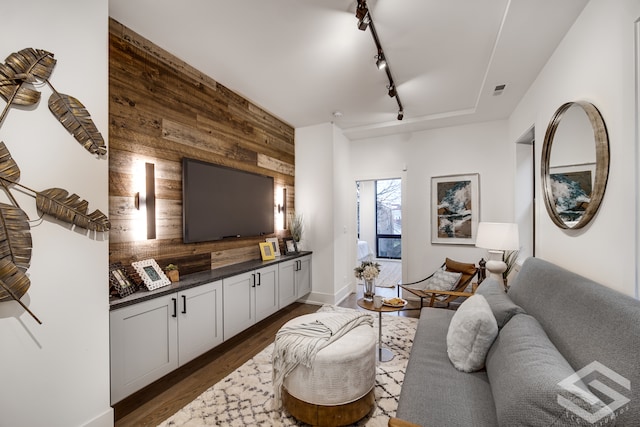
<point x="295" y="279"/>
<point x="152" y="338"/>
<point x="303" y="276"/>
<point x="199" y="320"/>
<point x="249" y="298"/>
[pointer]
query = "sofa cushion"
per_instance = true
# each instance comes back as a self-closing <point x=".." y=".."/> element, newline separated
<point x="442" y="280"/>
<point x="524" y="369"/>
<point x="502" y="306"/>
<point x="586" y="322"/>
<point x="471" y="332"/>
<point x="433" y="389"/>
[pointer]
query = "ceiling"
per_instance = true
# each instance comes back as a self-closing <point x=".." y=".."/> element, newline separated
<point x="304" y="60"/>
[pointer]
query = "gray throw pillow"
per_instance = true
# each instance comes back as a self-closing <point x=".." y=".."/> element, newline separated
<point x="502" y="306"/>
<point x="525" y="369"/>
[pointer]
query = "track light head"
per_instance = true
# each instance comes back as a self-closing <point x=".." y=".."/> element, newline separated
<point x="381" y="62"/>
<point x="400" y="115"/>
<point x="362" y="14"/>
<point x="392" y="90"/>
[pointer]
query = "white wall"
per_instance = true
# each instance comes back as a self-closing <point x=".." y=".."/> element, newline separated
<point x="342" y="198"/>
<point x="594" y="62"/>
<point x="315" y="201"/>
<point x="57" y="373"/>
<point x="478" y="148"/>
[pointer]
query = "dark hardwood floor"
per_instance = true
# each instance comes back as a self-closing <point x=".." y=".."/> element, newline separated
<point x="158" y="401"/>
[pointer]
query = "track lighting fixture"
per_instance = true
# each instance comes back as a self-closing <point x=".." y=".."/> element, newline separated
<point x="366" y="20"/>
<point x="380" y="61"/>
<point x="362" y="13"/>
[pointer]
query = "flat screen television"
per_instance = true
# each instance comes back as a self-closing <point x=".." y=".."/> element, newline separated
<point x="220" y="202"/>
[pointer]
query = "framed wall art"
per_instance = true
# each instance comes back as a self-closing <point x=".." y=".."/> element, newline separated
<point x="266" y="250"/>
<point x="455" y="209"/>
<point x="151" y="274"/>
<point x="119" y="280"/>
<point x="275" y="244"/>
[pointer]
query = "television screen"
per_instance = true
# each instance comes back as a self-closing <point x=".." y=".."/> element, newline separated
<point x="220" y="202"/>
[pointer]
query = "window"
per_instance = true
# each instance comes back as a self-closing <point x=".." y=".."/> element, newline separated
<point x="388" y="218"/>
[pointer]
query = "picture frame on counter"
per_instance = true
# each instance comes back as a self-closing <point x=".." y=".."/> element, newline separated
<point x="275" y="244"/>
<point x="290" y="245"/>
<point x="266" y="250"/>
<point x="120" y="281"/>
<point x="151" y="274"/>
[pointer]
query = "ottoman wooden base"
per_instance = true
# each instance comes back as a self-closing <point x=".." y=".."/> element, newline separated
<point x="320" y="415"/>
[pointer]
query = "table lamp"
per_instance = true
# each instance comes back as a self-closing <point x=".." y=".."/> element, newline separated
<point x="497" y="237"/>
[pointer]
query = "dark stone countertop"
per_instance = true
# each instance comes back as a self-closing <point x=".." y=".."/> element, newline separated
<point x="197" y="279"/>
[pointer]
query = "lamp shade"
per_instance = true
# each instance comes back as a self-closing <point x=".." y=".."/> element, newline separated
<point x="498" y="236"/>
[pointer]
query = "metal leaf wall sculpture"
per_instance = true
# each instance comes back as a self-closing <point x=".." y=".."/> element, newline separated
<point x="29" y="66"/>
<point x="14" y="283"/>
<point x="71" y="209"/>
<point x="15" y="236"/>
<point x="76" y="119"/>
<point x="17" y="77"/>
<point x="19" y="71"/>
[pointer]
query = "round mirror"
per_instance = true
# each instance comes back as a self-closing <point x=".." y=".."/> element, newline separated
<point x="575" y="164"/>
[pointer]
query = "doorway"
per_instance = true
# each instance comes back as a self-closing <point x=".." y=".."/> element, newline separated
<point x="525" y="194"/>
<point x="379" y="226"/>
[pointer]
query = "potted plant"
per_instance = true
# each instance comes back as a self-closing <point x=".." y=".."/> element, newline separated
<point x="295" y="225"/>
<point x="172" y="272"/>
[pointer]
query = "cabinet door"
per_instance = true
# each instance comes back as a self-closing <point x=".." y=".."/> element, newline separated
<point x="239" y="304"/>
<point x="199" y="320"/>
<point x="287" y="283"/>
<point x="303" y="276"/>
<point x="143" y="344"/>
<point x="266" y="291"/>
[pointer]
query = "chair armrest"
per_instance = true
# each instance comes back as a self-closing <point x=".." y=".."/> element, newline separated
<point x="436" y="292"/>
<point x="397" y="422"/>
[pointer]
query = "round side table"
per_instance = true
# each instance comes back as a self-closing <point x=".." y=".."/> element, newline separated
<point x="384" y="354"/>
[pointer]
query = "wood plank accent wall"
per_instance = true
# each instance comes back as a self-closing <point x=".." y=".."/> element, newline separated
<point x="161" y="110"/>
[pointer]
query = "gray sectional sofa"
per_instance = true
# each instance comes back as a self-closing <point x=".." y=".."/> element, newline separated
<point x="557" y="331"/>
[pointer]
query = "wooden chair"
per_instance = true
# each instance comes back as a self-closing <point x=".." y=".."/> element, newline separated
<point x="445" y="297"/>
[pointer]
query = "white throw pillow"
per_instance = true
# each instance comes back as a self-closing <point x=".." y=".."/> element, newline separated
<point x="472" y="330"/>
<point x="442" y="280"/>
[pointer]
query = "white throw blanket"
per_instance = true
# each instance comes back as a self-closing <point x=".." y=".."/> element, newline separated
<point x="299" y="344"/>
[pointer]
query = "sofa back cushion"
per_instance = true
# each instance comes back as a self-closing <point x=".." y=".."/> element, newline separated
<point x="502" y="306"/>
<point x="588" y="323"/>
<point x="525" y="371"/>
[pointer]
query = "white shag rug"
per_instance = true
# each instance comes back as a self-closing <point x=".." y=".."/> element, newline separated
<point x="244" y="397"/>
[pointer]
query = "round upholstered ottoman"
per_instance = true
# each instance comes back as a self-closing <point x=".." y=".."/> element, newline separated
<point x="339" y="388"/>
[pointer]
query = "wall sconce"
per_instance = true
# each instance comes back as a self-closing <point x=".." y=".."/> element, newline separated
<point x="282" y="208"/>
<point x="149" y="200"/>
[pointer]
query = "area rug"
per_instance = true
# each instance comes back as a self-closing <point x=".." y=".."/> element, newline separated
<point x="244" y="397"/>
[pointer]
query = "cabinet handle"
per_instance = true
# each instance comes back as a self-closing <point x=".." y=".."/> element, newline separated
<point x="175" y="307"/>
<point x="259" y="279"/>
<point x="184" y="304"/>
<point x="298" y="266"/>
<point x="253" y="285"/>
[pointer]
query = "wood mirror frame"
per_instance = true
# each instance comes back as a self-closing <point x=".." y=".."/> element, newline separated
<point x="601" y="141"/>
